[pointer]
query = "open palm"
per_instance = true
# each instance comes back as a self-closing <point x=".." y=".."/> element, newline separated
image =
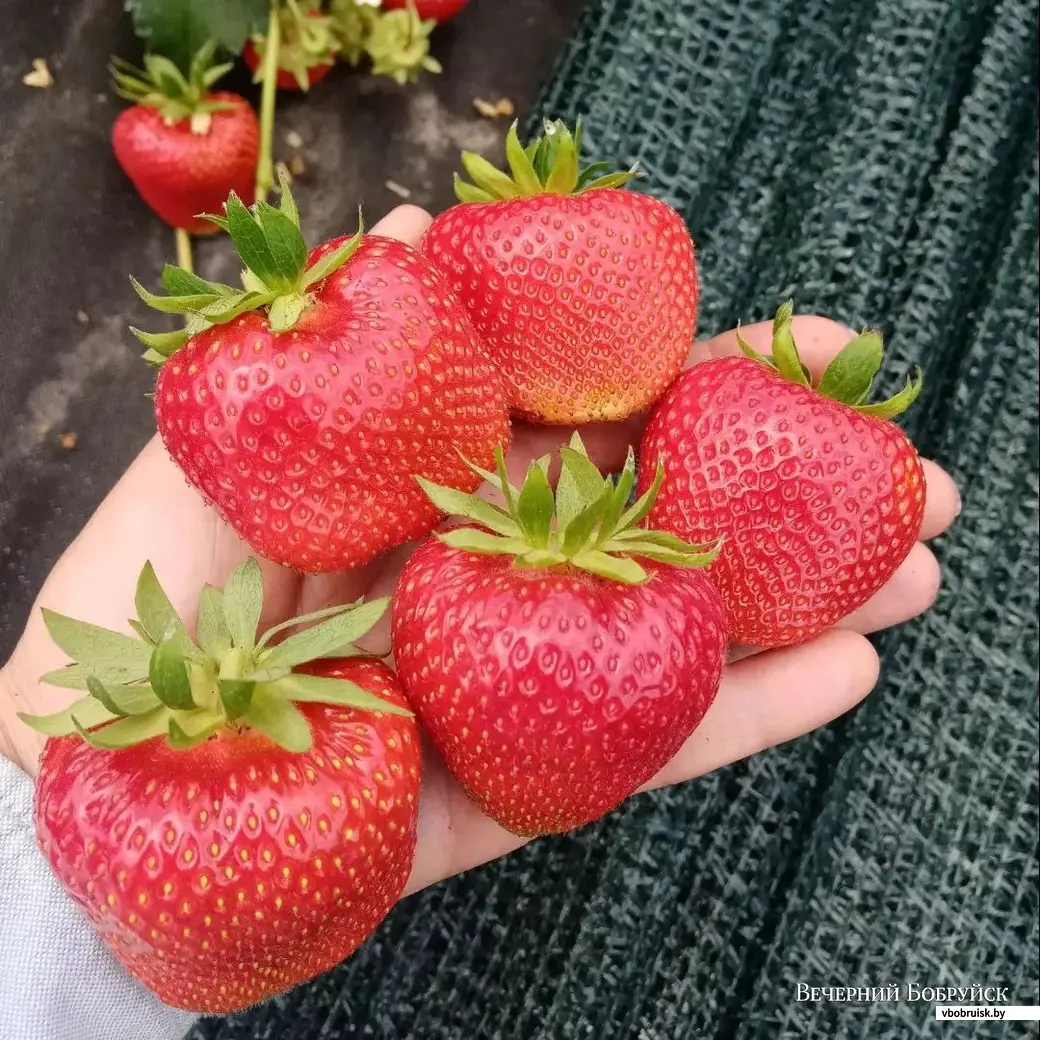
<point x="152" y="514"/>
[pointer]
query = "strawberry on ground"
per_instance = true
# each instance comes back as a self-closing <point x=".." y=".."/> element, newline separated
<point x="184" y="147"/>
<point x="817" y="495"/>
<point x="235" y="816"/>
<point x="585" y="292"/>
<point x="554" y="672"/>
<point x="307" y="47"/>
<point x="303" y="405"/>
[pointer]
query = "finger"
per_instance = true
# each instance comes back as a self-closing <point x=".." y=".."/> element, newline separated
<point x="405" y="223"/>
<point x="819" y="339"/>
<point x="774" y="697"/>
<point x="942" y="500"/>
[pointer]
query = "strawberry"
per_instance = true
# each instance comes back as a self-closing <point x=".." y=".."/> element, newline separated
<point x="303" y="405"/>
<point x="437" y="10"/>
<point x="584" y="292"/>
<point x="226" y="843"/>
<point x="307" y="48"/>
<point x="185" y="148"/>
<point x="554" y="672"/>
<point x="819" y="497"/>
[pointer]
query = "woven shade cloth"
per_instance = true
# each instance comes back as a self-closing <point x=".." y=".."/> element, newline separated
<point x="876" y="160"/>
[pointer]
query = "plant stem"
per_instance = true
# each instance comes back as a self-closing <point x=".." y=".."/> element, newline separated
<point x="265" y="168"/>
<point x="184" y="249"/>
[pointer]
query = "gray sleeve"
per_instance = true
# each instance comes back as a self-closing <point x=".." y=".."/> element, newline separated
<point x="57" y="980"/>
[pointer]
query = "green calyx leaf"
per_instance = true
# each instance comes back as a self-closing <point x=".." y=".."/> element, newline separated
<point x="277" y="277"/>
<point x="162" y="85"/>
<point x="162" y="683"/>
<point x="850" y="375"/>
<point x="397" y="42"/>
<point x="589" y="522"/>
<point x="549" y="165"/>
<point x="306" y="39"/>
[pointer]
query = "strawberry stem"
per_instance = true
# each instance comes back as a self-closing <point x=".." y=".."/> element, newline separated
<point x="269" y="90"/>
<point x="183" y="249"/>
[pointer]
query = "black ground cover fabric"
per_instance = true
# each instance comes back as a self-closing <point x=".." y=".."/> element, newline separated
<point x="877" y="161"/>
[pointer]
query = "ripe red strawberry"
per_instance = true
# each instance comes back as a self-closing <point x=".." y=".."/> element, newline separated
<point x="185" y="148"/>
<point x="584" y="292"/>
<point x="817" y="495"/>
<point x="304" y="405"/>
<point x="225" y="843"/>
<point x="554" y="673"/>
<point x="307" y="48"/>
<point x="438" y="10"/>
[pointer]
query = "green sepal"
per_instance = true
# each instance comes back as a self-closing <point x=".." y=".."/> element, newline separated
<point x="548" y="165"/>
<point x="211" y="628"/>
<point x="88" y="711"/>
<point x="236" y="695"/>
<point x="588" y="523"/>
<point x="849" y="377"/>
<point x="333" y="261"/>
<point x="109" y="653"/>
<point x="124" y="733"/>
<point x="124" y="700"/>
<point x="161" y="344"/>
<point x="398" y="44"/>
<point x="168" y="674"/>
<point x="313" y="643"/>
<point x="243" y="602"/>
<point x="316" y="689"/>
<point x="155" y="613"/>
<point x="186" y="731"/>
<point x="276" y="718"/>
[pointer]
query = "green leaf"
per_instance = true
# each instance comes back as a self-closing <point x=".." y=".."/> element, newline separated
<point x="166" y="75"/>
<point x="459" y="503"/>
<point x="124" y="700"/>
<point x="579" y="530"/>
<point x="687" y="556"/>
<point x="899" y="403"/>
<point x="466" y="192"/>
<point x="535" y="506"/>
<point x="179" y="282"/>
<point x="611" y="180"/>
<point x="162" y="343"/>
<point x="564" y="176"/>
<point x="154" y="609"/>
<point x="332" y="262"/>
<point x="286" y="202"/>
<point x="286" y="310"/>
<point x="313" y="643"/>
<point x="321" y="690"/>
<point x="616" y="568"/>
<point x="639" y="509"/>
<point x="210" y="627"/>
<point x="503" y="483"/>
<point x="251" y="244"/>
<point x="785" y="353"/>
<point x="168" y="675"/>
<point x="178" y="28"/>
<point x="286" y="243"/>
<point x="749" y="351"/>
<point x="849" y="376"/>
<point x="88" y="711"/>
<point x="173" y="304"/>
<point x="100" y="647"/>
<point x="228" y="308"/>
<point x="125" y="732"/>
<point x="520" y="165"/>
<point x="587" y="478"/>
<point x="304" y="619"/>
<point x="620" y="494"/>
<point x="276" y="718"/>
<point x="74" y="676"/>
<point x="243" y="602"/>
<point x="487" y="178"/>
<point x="236" y="695"/>
<point x="185" y="731"/>
<point x="472" y="540"/>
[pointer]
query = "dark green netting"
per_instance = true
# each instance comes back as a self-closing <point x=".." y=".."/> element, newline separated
<point x="877" y="160"/>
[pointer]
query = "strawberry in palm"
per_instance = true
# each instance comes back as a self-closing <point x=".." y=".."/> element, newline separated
<point x="584" y="292"/>
<point x="558" y="653"/>
<point x="818" y="495"/>
<point x="233" y="815"/>
<point x="303" y="405"/>
<point x="184" y="147"/>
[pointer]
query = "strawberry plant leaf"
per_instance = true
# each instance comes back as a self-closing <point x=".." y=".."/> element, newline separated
<point x="303" y="619"/>
<point x="124" y="700"/>
<point x="161" y="344"/>
<point x="587" y="478"/>
<point x="179" y="282"/>
<point x="520" y="164"/>
<point x="785" y="353"/>
<point x="286" y="243"/>
<point x="616" y="568"/>
<point x="236" y="695"/>
<point x="90" y="644"/>
<point x="580" y="528"/>
<point x="178" y="28"/>
<point x="321" y="690"/>
<point x="333" y="261"/>
<point x="638" y="511"/>
<point x="315" y="642"/>
<point x="487" y="178"/>
<point x="173" y="304"/>
<point x="243" y="601"/>
<point x="472" y="540"/>
<point x="620" y="494"/>
<point x="168" y="674"/>
<point x="210" y="627"/>
<point x="899" y="403"/>
<point x="466" y="192"/>
<point x="74" y="676"/>
<point x="276" y="718"/>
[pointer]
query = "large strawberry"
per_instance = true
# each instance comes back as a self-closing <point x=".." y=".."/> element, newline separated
<point x="185" y="148"/>
<point x="584" y="292"/>
<point x="306" y="50"/>
<point x="554" y="672"/>
<point x="304" y="404"/>
<point x="817" y="494"/>
<point x="233" y="815"/>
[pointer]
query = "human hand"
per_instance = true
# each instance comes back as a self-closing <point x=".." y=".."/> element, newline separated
<point x="152" y="514"/>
